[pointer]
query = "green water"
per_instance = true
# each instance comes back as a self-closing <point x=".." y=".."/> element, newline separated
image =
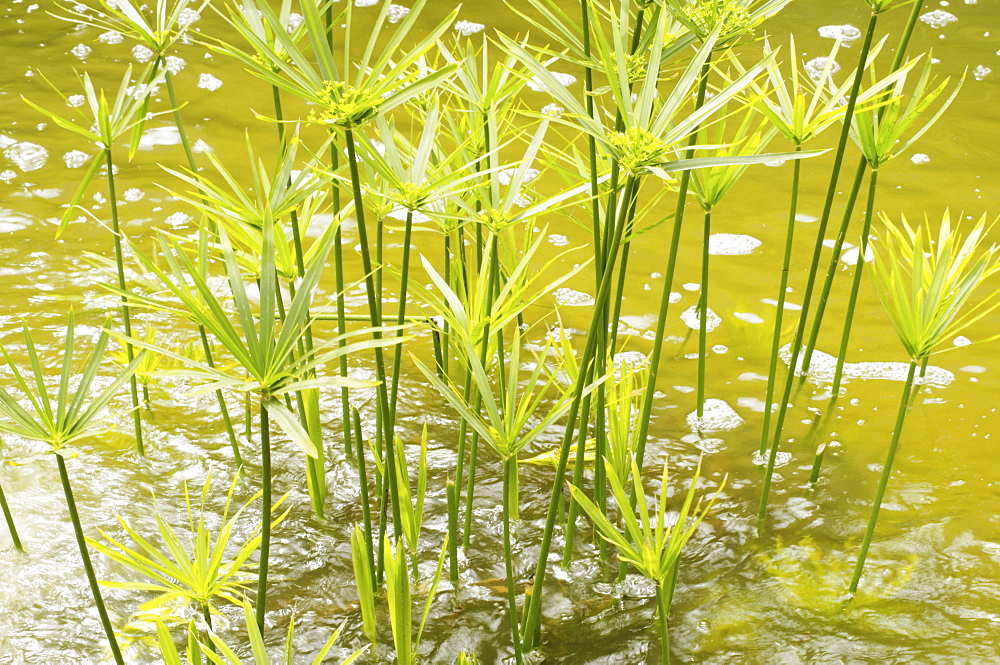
<point x="933" y="575"/>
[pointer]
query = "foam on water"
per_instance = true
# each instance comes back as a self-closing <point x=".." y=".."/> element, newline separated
<point x="75" y="159"/>
<point x="565" y="80"/>
<point x="781" y="458"/>
<point x="717" y="416"/>
<point x="748" y="317"/>
<point x="692" y="320"/>
<point x="731" y="244"/>
<point x="209" y="82"/>
<point x="572" y="297"/>
<point x="981" y="72"/>
<point x="159" y="136"/>
<point x="814" y="68"/>
<point x="634" y="359"/>
<point x="27" y="156"/>
<point x="397" y="13"/>
<point x="822" y="367"/>
<point x="850" y="257"/>
<point x="844" y="33"/>
<point x="938" y="18"/>
<point x="468" y="28"/>
<point x="11" y="221"/>
<point x="142" y="53"/>
<point x="920" y="158"/>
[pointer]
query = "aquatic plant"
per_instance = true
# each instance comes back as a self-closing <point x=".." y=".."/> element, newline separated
<point x="63" y="421"/>
<point x="653" y="549"/>
<point x="927" y="289"/>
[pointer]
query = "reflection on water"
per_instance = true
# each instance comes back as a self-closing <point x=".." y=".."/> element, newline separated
<point x="934" y="572"/>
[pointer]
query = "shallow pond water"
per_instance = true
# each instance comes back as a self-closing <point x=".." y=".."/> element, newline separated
<point x="746" y="596"/>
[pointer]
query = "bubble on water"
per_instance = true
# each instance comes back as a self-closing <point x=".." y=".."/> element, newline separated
<point x="75" y="159"/>
<point x="938" y="18"/>
<point x="690" y="286"/>
<point x="804" y="218"/>
<point x="175" y="64"/>
<point x="752" y="403"/>
<point x="814" y="68"/>
<point x="822" y="367"/>
<point x="27" y="156"/>
<point x="365" y="3"/>
<point x="776" y="162"/>
<point x="731" y="244"/>
<point x="209" y="82"/>
<point x="155" y="136"/>
<point x="505" y="176"/>
<point x="572" y="297"/>
<point x="6" y="141"/>
<point x="564" y="80"/>
<point x="7" y="175"/>
<point x="675" y="297"/>
<point x="187" y="17"/>
<point x="295" y="20"/>
<point x="850" y="257"/>
<point x="111" y="37"/>
<point x="720" y="349"/>
<point x="748" y="317"/>
<point x="81" y="51"/>
<point x="920" y="158"/>
<point x="178" y="219"/>
<point x="781" y="458"/>
<point x="468" y="28"/>
<point x="692" y="320"/>
<point x="558" y="239"/>
<point x="844" y="33"/>
<point x="76" y="100"/>
<point x="962" y="340"/>
<point x="981" y="72"/>
<point x="397" y="13"/>
<point x="142" y="53"/>
<point x="787" y="305"/>
<point x="973" y="369"/>
<point x="553" y="110"/>
<point x="635" y="359"/>
<point x="717" y="416"/>
<point x="705" y="444"/>
<point x="133" y="194"/>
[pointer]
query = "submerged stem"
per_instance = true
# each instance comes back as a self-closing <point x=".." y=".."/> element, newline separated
<point x="265" y="509"/>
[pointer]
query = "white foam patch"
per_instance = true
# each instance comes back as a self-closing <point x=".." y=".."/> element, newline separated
<point x="748" y="317"/>
<point x="717" y="416"/>
<point x="564" y="80"/>
<point x="731" y="244"/>
<point x="692" y="320"/>
<point x="11" y="221"/>
<point x="159" y="136"/>
<point x="635" y="359"/>
<point x="805" y="219"/>
<point x="850" y="257"/>
<point x="815" y="67"/>
<point x="572" y="297"/>
<point x="781" y="458"/>
<point x="705" y="444"/>
<point x="938" y="18"/>
<point x="844" y="33"/>
<point x="822" y="367"/>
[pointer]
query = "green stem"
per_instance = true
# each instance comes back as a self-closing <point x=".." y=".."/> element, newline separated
<point x="663" y="621"/>
<point x="786" y="264"/>
<point x="703" y="315"/>
<point x="532" y="614"/>
<point x="87" y="565"/>
<point x="376" y="314"/>
<point x="397" y="355"/>
<point x="9" y="517"/>
<point x="884" y="481"/>
<point x="120" y="264"/>
<point x="509" y="469"/>
<point x="578" y="466"/>
<point x="453" y="537"/>
<point x="179" y="122"/>
<point x="817" y="252"/>
<point x="265" y="509"/>
<point x="852" y="303"/>
<point x="206" y="613"/>
<point x="366" y="511"/>
<point x="338" y="262"/>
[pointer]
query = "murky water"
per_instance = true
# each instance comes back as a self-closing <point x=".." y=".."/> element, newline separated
<point x="933" y="578"/>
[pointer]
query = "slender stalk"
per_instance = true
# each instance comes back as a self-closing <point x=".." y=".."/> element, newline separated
<point x="814" y="265"/>
<point x="338" y="262"/>
<point x="663" y="620"/>
<point x="884" y="481"/>
<point x="9" y="517"/>
<point x="87" y="565"/>
<point x="786" y="264"/>
<point x="120" y="264"/>
<point x="668" y="279"/>
<point x="452" y="491"/>
<point x="206" y="613"/>
<point x="397" y="354"/>
<point x="179" y="122"/>
<point x="859" y="268"/>
<point x="366" y="511"/>
<point x="376" y="314"/>
<point x="509" y="469"/>
<point x="265" y="508"/>
<point x="533" y="608"/>
<point x="579" y="461"/>
<point x="703" y="314"/>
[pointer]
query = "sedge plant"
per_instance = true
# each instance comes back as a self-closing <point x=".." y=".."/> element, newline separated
<point x="932" y="289"/>
<point x="60" y="416"/>
<point x="648" y="542"/>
